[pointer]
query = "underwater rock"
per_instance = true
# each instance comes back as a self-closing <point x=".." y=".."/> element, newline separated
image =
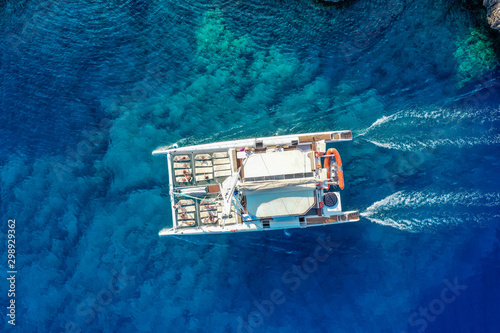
<point x="493" y="14"/>
<point x="474" y="55"/>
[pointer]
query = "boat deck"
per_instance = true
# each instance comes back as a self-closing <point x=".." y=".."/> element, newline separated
<point x="193" y="213"/>
<point x="194" y="169"/>
<point x="252" y="184"/>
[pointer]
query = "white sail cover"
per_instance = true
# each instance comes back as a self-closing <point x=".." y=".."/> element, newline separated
<point x="282" y="201"/>
<point x="278" y="163"/>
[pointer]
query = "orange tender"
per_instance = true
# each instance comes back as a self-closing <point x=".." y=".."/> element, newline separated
<point x="335" y="153"/>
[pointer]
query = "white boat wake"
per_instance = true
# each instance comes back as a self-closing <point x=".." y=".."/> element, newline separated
<point x="399" y="210"/>
<point x="377" y="123"/>
<point x="413" y="130"/>
<point x="416" y="145"/>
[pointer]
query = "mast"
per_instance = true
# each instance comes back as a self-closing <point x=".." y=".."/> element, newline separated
<point x="227" y="192"/>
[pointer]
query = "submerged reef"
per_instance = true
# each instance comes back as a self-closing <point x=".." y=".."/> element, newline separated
<point x="475" y="56"/>
<point x="230" y="82"/>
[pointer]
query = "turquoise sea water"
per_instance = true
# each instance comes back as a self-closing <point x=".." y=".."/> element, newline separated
<point x="90" y="88"/>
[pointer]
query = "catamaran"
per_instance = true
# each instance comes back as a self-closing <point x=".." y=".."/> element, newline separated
<point x="278" y="182"/>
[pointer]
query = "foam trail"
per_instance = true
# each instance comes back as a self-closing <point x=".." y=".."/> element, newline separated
<point x="386" y="145"/>
<point x="419" y="199"/>
<point x="444" y="116"/>
<point x="432" y="144"/>
<point x="377" y="123"/>
<point x="438" y="117"/>
<point x="385" y="211"/>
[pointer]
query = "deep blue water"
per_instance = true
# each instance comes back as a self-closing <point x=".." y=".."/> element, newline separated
<point x="90" y="88"/>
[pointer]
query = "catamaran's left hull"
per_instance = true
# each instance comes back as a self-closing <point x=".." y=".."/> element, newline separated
<point x="295" y="223"/>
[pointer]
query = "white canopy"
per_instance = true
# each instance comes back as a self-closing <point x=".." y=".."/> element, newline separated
<point x="277" y="163"/>
<point x="282" y="201"/>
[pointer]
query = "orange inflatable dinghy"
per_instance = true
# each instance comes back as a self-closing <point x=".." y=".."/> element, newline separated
<point x="335" y="153"/>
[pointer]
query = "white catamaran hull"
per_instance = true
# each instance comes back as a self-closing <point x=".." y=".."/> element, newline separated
<point x="258" y="184"/>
